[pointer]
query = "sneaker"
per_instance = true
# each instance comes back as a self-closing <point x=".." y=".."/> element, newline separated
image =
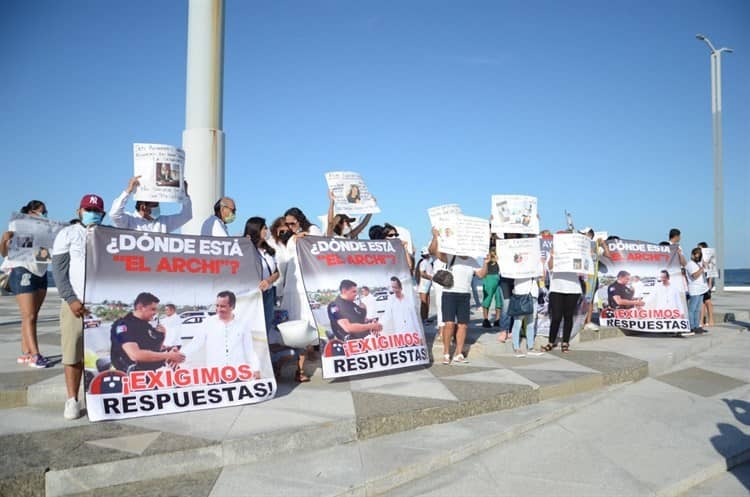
<point x="688" y="333"/>
<point x="460" y="358"/>
<point x="39" y="361"/>
<point x="486" y="324"/>
<point x="519" y="353"/>
<point x="72" y="409"/>
<point x="23" y="359"/>
<point x="591" y="326"/>
<point x="497" y="323"/>
<point x="534" y="353"/>
<point x="446" y="359"/>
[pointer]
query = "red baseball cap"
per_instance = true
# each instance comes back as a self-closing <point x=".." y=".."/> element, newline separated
<point x="92" y="202"/>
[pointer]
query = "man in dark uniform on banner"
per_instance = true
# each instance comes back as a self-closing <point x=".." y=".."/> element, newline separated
<point x="136" y="345"/>
<point x="621" y="295"/>
<point x="348" y="320"/>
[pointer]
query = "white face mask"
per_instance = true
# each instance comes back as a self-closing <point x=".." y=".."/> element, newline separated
<point x="346" y="229"/>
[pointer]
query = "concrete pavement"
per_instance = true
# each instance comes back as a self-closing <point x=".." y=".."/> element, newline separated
<point x="368" y="435"/>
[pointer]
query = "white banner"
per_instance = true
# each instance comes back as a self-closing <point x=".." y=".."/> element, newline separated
<point x="709" y="262"/>
<point x="161" y="171"/>
<point x="572" y="253"/>
<point x="33" y="238"/>
<point x="444" y="219"/>
<point x="514" y="214"/>
<point x="519" y="257"/>
<point x="350" y="193"/>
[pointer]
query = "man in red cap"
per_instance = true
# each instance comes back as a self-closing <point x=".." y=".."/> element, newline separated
<point x="68" y="267"/>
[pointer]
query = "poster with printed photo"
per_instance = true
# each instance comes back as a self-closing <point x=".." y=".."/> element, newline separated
<point x="444" y="218"/>
<point x="139" y="362"/>
<point x="514" y="214"/>
<point x="519" y="257"/>
<point x="639" y="288"/>
<point x="33" y="238"/>
<point x="709" y="262"/>
<point x="572" y="253"/>
<point x="362" y="298"/>
<point x="350" y="193"/>
<point x="161" y="169"/>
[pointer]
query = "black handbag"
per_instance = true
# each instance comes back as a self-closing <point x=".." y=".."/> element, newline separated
<point x="444" y="277"/>
<point x="520" y="305"/>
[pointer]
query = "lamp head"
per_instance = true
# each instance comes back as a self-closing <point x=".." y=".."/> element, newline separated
<point x="700" y="37"/>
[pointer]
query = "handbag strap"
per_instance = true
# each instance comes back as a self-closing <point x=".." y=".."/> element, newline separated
<point x="450" y="264"/>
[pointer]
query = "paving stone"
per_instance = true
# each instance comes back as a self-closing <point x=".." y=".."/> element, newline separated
<point x="701" y="381"/>
<point x="189" y="485"/>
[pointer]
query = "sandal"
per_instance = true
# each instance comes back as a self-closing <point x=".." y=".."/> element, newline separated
<point x="565" y="347"/>
<point x="548" y="347"/>
<point x="446" y="359"/>
<point x="502" y="336"/>
<point x="301" y="377"/>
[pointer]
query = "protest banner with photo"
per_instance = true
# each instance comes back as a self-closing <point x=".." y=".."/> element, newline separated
<point x="572" y="253"/>
<point x="33" y="238"/>
<point x="639" y="288"/>
<point x="519" y="257"/>
<point x="444" y="218"/>
<point x="709" y="262"/>
<point x="350" y="194"/>
<point x="139" y="364"/>
<point x="514" y="214"/>
<point x="161" y="170"/>
<point x="368" y="330"/>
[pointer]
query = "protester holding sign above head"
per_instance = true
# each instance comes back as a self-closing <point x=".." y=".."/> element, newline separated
<point x="456" y="304"/>
<point x="564" y="292"/>
<point x="225" y="212"/>
<point x="340" y="225"/>
<point x="28" y="281"/>
<point x="147" y="215"/>
<point x="68" y="267"/>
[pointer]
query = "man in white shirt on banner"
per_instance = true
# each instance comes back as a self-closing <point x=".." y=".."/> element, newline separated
<point x="173" y="325"/>
<point x="147" y="216"/>
<point x="666" y="295"/>
<point x="367" y="299"/>
<point x="224" y="339"/>
<point x="401" y="315"/>
<point x="225" y="212"/>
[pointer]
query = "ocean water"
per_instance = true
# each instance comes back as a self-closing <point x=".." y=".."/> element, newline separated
<point x="737" y="277"/>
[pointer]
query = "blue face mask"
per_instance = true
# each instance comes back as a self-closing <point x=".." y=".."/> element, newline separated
<point x="88" y="218"/>
<point x="155" y="212"/>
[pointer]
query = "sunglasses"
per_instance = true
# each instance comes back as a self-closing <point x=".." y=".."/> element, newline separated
<point x="392" y="235"/>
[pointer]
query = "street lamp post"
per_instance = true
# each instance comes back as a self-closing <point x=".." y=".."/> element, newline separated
<point x="718" y="172"/>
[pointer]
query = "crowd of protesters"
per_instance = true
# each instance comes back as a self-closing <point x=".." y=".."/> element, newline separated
<point x="282" y="281"/>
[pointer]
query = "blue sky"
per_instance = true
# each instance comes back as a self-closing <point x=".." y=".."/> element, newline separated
<point x="600" y="108"/>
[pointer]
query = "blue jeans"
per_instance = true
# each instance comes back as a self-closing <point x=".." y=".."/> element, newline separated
<point x="694" y="310"/>
<point x="530" y="329"/>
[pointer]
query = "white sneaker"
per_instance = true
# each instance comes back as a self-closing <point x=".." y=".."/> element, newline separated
<point x="519" y="353"/>
<point x="72" y="409"/>
<point x="591" y="326"/>
<point x="460" y="359"/>
<point x="535" y="353"/>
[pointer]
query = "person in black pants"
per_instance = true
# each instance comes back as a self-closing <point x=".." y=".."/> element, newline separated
<point x="565" y="290"/>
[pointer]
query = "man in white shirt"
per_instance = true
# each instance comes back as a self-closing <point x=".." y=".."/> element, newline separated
<point x="225" y="212"/>
<point x="401" y="316"/>
<point x="367" y="300"/>
<point x="68" y="267"/>
<point x="224" y="339"/>
<point x="147" y="214"/>
<point x="173" y="325"/>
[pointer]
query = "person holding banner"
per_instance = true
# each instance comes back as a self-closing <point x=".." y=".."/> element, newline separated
<point x="256" y="230"/>
<point x="456" y="304"/>
<point x="28" y="282"/>
<point x="147" y="215"/>
<point x="564" y="294"/>
<point x="68" y="268"/>
<point x="340" y="225"/>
